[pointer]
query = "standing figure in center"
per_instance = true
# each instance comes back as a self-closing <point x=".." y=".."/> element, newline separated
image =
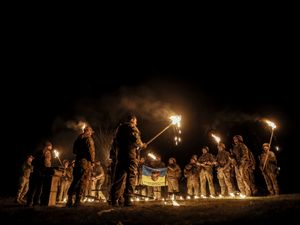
<point x="128" y="142"/>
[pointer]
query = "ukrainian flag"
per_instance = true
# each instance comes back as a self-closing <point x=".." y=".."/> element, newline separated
<point x="154" y="176"/>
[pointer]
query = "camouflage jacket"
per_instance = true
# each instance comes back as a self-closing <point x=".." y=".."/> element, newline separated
<point x="206" y="161"/>
<point x="128" y="139"/>
<point x="173" y="171"/>
<point x="271" y="164"/>
<point x="223" y="159"/>
<point x="84" y="148"/>
<point x="241" y="154"/>
<point x="27" y="169"/>
<point x="191" y="170"/>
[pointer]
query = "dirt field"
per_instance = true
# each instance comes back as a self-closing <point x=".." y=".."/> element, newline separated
<point x="255" y="210"/>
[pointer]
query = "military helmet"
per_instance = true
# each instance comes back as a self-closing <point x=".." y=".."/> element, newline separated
<point x="172" y="159"/>
<point x="266" y="144"/>
<point x="206" y="147"/>
<point x="47" y="143"/>
<point x="222" y="145"/>
<point x="30" y="156"/>
<point x="239" y="137"/>
<point x="195" y="157"/>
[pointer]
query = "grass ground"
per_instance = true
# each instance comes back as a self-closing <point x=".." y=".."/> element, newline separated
<point x="254" y="210"/>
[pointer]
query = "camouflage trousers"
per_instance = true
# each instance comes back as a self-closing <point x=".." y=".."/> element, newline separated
<point x="173" y="185"/>
<point x="271" y="181"/>
<point x="243" y="180"/>
<point x="63" y="190"/>
<point x="81" y="177"/>
<point x="124" y="182"/>
<point x="23" y="187"/>
<point x="193" y="186"/>
<point x="207" y="177"/>
<point x="224" y="181"/>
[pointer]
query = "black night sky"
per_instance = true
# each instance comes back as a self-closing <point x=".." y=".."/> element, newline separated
<point x="226" y="85"/>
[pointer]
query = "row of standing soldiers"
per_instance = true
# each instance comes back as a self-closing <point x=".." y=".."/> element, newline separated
<point x="36" y="170"/>
<point x="239" y="162"/>
<point x="124" y="154"/>
<point x="234" y="172"/>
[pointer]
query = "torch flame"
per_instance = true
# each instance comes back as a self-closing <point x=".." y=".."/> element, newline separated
<point x="56" y="153"/>
<point x="217" y="139"/>
<point x="176" y="120"/>
<point x="271" y="124"/>
<point x="151" y="155"/>
<point x="83" y="126"/>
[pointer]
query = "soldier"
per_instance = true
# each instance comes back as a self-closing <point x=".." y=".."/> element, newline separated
<point x="156" y="190"/>
<point x="251" y="168"/>
<point x="191" y="172"/>
<point x="84" y="149"/>
<point x="271" y="170"/>
<point x="127" y="141"/>
<point x="27" y="169"/>
<point x="173" y="174"/>
<point x="41" y="163"/>
<point x="65" y="181"/>
<point x="223" y="170"/>
<point x="142" y="188"/>
<point x="240" y="154"/>
<point x="206" y="162"/>
<point x="98" y="178"/>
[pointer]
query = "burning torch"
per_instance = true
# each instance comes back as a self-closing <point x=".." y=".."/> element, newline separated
<point x="217" y="139"/>
<point x="175" y="120"/>
<point x="152" y="156"/>
<point x="83" y="126"/>
<point x="56" y="155"/>
<point x="273" y="126"/>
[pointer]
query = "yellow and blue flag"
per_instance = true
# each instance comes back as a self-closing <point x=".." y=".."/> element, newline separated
<point x="154" y="176"/>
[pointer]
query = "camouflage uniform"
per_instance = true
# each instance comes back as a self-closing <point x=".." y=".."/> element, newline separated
<point x="27" y="169"/>
<point x="240" y="154"/>
<point x="223" y="170"/>
<point x="270" y="171"/>
<point x="84" y="149"/>
<point x="191" y="172"/>
<point x="173" y="174"/>
<point x="127" y="141"/>
<point x="251" y="168"/>
<point x="206" y="161"/>
<point x="141" y="188"/>
<point x="98" y="178"/>
<point x="155" y="191"/>
<point x="65" y="182"/>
